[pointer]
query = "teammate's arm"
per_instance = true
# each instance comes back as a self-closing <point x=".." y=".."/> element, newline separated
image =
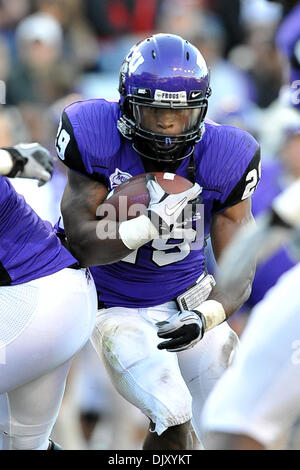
<point x="223" y="228"/>
<point x="26" y="161"/>
<point x="273" y="228"/>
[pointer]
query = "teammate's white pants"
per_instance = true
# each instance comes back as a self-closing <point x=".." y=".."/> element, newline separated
<point x="43" y="323"/>
<point x="167" y="387"/>
<point x="259" y="395"/>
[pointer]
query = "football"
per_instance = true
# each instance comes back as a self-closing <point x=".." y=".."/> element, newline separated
<point x="131" y="198"/>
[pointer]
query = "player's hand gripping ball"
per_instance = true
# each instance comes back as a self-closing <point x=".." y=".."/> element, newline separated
<point x="159" y="195"/>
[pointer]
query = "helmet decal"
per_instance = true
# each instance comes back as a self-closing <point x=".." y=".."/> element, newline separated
<point x="170" y="96"/>
<point x="135" y="61"/>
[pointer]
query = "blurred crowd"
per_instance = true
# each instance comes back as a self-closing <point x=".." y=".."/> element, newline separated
<point x="54" y="52"/>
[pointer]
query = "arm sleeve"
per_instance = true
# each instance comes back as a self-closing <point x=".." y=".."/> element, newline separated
<point x="245" y="186"/>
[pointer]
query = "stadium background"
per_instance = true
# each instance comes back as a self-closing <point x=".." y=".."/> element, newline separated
<point x="53" y="52"/>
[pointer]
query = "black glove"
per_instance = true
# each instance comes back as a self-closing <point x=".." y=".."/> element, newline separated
<point x="30" y="161"/>
<point x="184" y="329"/>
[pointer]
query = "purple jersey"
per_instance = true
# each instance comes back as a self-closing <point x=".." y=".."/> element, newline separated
<point x="29" y="247"/>
<point x="226" y="167"/>
<point x="288" y="42"/>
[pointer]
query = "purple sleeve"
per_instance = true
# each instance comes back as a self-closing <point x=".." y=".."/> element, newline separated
<point x="235" y="173"/>
<point x="245" y="186"/>
<point x="87" y="138"/>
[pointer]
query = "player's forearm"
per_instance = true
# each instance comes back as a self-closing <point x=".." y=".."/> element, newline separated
<point x="96" y="243"/>
<point x="107" y="241"/>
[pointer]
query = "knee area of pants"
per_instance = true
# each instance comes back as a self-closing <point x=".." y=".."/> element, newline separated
<point x="25" y="442"/>
<point x="126" y="337"/>
<point x="18" y="436"/>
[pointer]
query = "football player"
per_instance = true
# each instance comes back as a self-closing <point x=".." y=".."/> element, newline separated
<point x="288" y="42"/>
<point x="149" y="284"/>
<point x="47" y="309"/>
<point x="256" y="401"/>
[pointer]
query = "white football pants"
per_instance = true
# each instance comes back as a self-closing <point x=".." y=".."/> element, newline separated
<point x="259" y="395"/>
<point x="169" y="388"/>
<point x="43" y="323"/>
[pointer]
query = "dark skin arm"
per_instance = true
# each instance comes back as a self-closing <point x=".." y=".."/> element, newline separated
<point x="223" y="228"/>
<point x="81" y="199"/>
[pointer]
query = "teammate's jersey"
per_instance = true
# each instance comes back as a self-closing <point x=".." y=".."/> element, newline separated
<point x="226" y="167"/>
<point x="288" y="42"/>
<point x="29" y="247"/>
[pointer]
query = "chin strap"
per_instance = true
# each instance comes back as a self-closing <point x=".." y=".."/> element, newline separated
<point x="191" y="169"/>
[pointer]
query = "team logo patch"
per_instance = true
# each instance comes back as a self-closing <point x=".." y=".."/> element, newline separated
<point x="118" y="177"/>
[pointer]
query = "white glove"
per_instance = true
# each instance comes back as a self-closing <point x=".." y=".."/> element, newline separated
<point x="165" y="210"/>
<point x="184" y="329"/>
<point x="31" y="161"/>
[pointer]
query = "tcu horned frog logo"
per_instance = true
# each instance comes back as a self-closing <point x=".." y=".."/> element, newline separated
<point x="118" y="177"/>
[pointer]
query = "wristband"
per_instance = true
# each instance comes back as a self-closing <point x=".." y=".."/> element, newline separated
<point x="18" y="161"/>
<point x="136" y="232"/>
<point x="6" y="162"/>
<point x="213" y="313"/>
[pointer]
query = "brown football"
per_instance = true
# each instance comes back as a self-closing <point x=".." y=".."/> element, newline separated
<point x="131" y="198"/>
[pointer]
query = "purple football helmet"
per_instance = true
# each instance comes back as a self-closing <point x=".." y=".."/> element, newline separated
<point x="163" y="74"/>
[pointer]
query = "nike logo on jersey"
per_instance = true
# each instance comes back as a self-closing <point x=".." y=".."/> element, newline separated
<point x="171" y="210"/>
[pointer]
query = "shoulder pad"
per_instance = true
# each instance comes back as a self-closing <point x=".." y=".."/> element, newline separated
<point x="87" y="137"/>
<point x="230" y="157"/>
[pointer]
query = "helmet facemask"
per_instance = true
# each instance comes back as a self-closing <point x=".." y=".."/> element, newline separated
<point x="164" y="132"/>
<point x="164" y="90"/>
